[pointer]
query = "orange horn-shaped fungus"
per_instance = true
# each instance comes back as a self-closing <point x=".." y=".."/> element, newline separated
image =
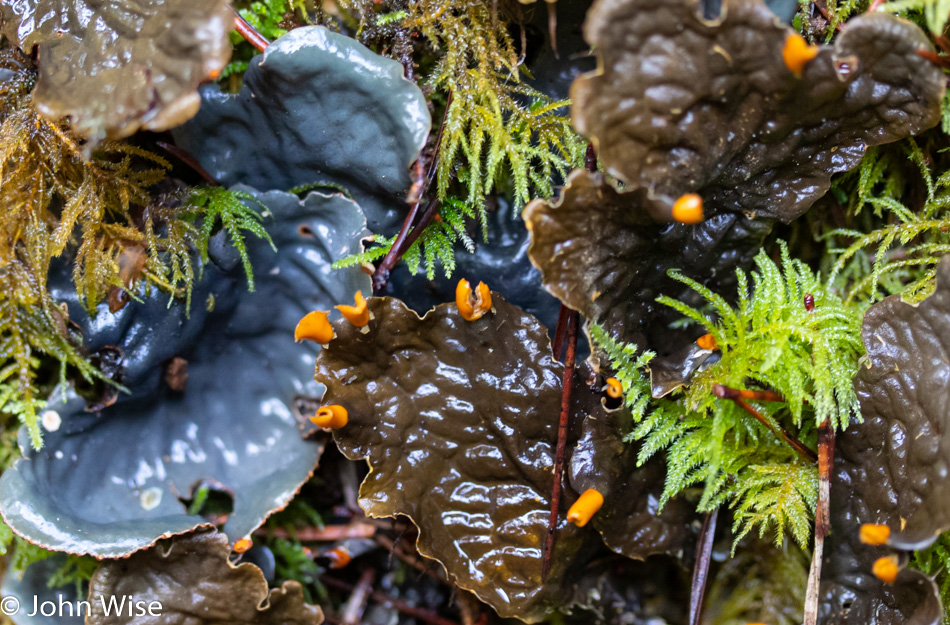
<point x="797" y="53"/>
<point x="333" y="417"/>
<point x="314" y="327"/>
<point x="688" y="209"/>
<point x="585" y="507"/>
<point x="886" y="569"/>
<point x="472" y="307"/>
<point x="875" y="534"/>
<point x="614" y="388"/>
<point x="357" y="314"/>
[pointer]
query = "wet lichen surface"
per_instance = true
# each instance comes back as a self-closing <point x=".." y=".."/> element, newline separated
<point x="456" y="312"/>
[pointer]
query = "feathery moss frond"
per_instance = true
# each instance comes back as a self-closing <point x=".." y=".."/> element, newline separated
<point x="768" y="340"/>
<point x="901" y="256"/>
<point x="935" y="13"/>
<point x="233" y="210"/>
<point x="771" y="341"/>
<point x="435" y="246"/>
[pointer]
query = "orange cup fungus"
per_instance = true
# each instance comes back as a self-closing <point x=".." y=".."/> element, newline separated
<point x="688" y="209"/>
<point x="797" y="53"/>
<point x="358" y="314"/>
<point x="338" y="557"/>
<point x="614" y="388"/>
<point x="886" y="569"/>
<point x="242" y="545"/>
<point x="314" y="327"/>
<point x="333" y="417"/>
<point x="707" y="341"/>
<point x="585" y="507"/>
<point x="472" y="306"/>
<point x="875" y="534"/>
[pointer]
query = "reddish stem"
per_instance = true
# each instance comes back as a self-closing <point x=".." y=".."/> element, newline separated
<point x="568" y="383"/>
<point x="329" y="533"/>
<point x="560" y="331"/>
<point x="249" y="33"/>
<point x="409" y="233"/>
<point x="189" y="160"/>
<point x="725" y="392"/>
<point x="826" y="457"/>
<point x="707" y="537"/>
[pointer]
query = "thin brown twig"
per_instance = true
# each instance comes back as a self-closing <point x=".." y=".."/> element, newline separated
<point x="249" y="33"/>
<point x="329" y="533"/>
<point x="826" y="457"/>
<point x="725" y="392"/>
<point x="410" y="230"/>
<point x="189" y="160"/>
<point x="354" y="607"/>
<point x="572" y="322"/>
<point x="422" y="614"/>
<point x="707" y="537"/>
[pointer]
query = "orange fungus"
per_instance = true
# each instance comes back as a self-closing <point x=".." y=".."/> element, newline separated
<point x="358" y="314"/>
<point x="333" y="417"/>
<point x="314" y="327"/>
<point x="585" y="507"/>
<point x="472" y="306"/>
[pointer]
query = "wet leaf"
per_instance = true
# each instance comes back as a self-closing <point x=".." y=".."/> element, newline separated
<point x="316" y="108"/>
<point x="603" y="253"/>
<point x="458" y="421"/>
<point x="630" y="521"/>
<point x="893" y="468"/>
<point x="195" y="584"/>
<point x="684" y="104"/>
<point x="109" y="483"/>
<point x="116" y="67"/>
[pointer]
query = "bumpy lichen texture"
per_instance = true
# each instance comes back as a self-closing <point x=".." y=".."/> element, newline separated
<point x="684" y="104"/>
<point x="195" y="584"/>
<point x="316" y="108"/>
<point x="606" y="254"/>
<point x="108" y="483"/>
<point x="458" y="420"/>
<point x="116" y="67"/>
<point x="629" y="521"/>
<point x="893" y="468"/>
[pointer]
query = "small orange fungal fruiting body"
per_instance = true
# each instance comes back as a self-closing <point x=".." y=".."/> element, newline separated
<point x="243" y="545"/>
<point x="357" y="314"/>
<point x="875" y="534"/>
<point x="707" y="341"/>
<point x="797" y="53"/>
<point x="585" y="507"/>
<point x="688" y="209"/>
<point x="472" y="306"/>
<point x="886" y="569"/>
<point x="314" y="327"/>
<point x="333" y="417"/>
<point x="339" y="557"/>
<point x="614" y="388"/>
